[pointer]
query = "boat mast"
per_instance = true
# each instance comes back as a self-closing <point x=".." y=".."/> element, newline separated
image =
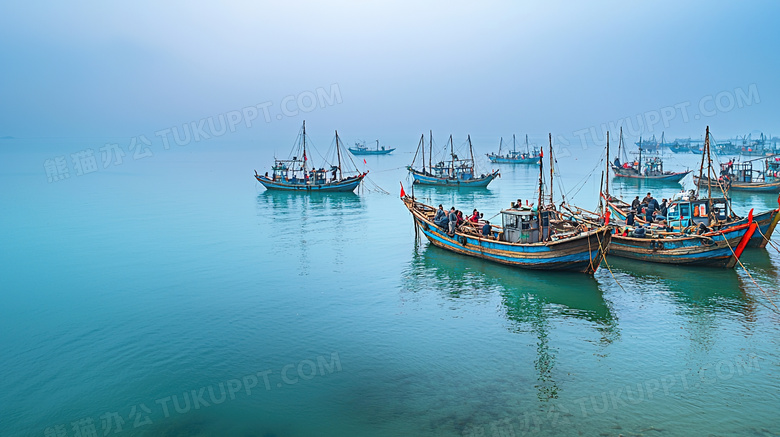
<point x="606" y="188"/>
<point x="304" y="150"/>
<point x="338" y="155"/>
<point x="640" y="161"/>
<point x="541" y="191"/>
<point x="701" y="167"/>
<point x="500" y="143"/>
<point x="471" y="151"/>
<point x="514" y="146"/>
<point x="551" y="172"/>
<point x="709" y="170"/>
<point x="430" y="154"/>
<point x="422" y="146"/>
<point x="527" y="151"/>
<point x="452" y="158"/>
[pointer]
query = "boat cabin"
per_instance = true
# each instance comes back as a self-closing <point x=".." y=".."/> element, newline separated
<point x="522" y="226"/>
<point x="684" y="212"/>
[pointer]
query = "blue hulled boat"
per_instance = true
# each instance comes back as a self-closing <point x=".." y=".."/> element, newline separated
<point x="361" y="149"/>
<point x="296" y="174"/>
<point x="527" y="239"/>
<point x="453" y="172"/>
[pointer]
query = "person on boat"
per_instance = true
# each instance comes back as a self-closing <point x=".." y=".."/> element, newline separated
<point x="459" y="213"/>
<point x="474" y="217"/>
<point x="487" y="229"/>
<point x="635" y="203"/>
<point x="647" y="198"/>
<point x="650" y="209"/>
<point x="630" y="218"/>
<point x="663" y="208"/>
<point x="452" y="218"/>
<point x="441" y="217"/>
<point x="702" y="229"/>
<point x="640" y="232"/>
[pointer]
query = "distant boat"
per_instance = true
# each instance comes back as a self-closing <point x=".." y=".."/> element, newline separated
<point x="743" y="177"/>
<point x="452" y="172"/>
<point x="652" y="168"/>
<point x="297" y="175"/>
<point x="515" y="157"/>
<point x="530" y="237"/>
<point x="361" y="149"/>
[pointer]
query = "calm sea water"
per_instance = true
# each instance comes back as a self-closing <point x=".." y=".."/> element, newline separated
<point x="172" y="295"/>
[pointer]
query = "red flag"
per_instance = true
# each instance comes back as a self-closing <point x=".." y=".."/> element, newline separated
<point x="403" y="194"/>
<point x="304" y="155"/>
<point x="364" y="161"/>
<point x="541" y="153"/>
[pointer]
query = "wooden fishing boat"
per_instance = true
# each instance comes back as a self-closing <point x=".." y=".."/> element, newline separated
<point x="710" y="249"/>
<point x="743" y="177"/>
<point x="652" y="168"/>
<point x="529" y="238"/>
<point x="453" y="172"/>
<point x="520" y="242"/>
<point x="515" y="157"/>
<point x="721" y="248"/>
<point x="687" y="211"/>
<point x="361" y="149"/>
<point x="295" y="174"/>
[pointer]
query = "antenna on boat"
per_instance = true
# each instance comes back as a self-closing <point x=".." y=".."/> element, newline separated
<point x="541" y="192"/>
<point x="514" y="146"/>
<point x="500" y="143"/>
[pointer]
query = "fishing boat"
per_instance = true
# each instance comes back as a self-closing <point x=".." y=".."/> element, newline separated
<point x="361" y="149"/>
<point x="513" y="156"/>
<point x="652" y="168"/>
<point x="451" y="172"/>
<point x="743" y="177"/>
<point x="687" y="211"/>
<point x="296" y="174"/>
<point x="529" y="237"/>
<point x="659" y="243"/>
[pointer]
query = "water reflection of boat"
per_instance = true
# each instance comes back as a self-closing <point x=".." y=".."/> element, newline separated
<point x="532" y="303"/>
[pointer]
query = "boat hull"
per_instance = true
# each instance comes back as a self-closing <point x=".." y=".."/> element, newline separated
<point x="500" y="160"/>
<point x="423" y="179"/>
<point x="756" y="187"/>
<point x="672" y="177"/>
<point x="348" y="184"/>
<point x="714" y="250"/>
<point x="582" y="253"/>
<point x="765" y="221"/>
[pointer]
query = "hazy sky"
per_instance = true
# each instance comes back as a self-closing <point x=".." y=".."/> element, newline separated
<point x="397" y="67"/>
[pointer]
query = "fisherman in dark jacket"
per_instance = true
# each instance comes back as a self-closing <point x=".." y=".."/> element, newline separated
<point x="453" y="220"/>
